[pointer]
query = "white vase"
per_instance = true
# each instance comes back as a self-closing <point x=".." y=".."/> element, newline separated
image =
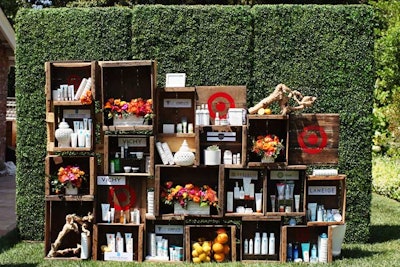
<point x="63" y="134"/>
<point x="212" y="157"/>
<point x="184" y="157"/>
<point x="267" y="159"/>
<point x="71" y="190"/>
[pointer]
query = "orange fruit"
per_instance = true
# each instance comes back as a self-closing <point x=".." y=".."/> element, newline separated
<point x="218" y="248"/>
<point x="222" y="238"/>
<point x="268" y="111"/>
<point x="221" y="230"/>
<point x="227" y="249"/>
<point x="219" y="257"/>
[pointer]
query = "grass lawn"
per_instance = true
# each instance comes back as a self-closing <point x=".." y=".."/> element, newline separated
<point x="382" y="250"/>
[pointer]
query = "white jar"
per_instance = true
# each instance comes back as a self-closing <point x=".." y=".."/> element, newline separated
<point x="63" y="134"/>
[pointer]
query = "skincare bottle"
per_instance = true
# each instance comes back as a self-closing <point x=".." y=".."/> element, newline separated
<point x="295" y="252"/>
<point x="246" y="247"/>
<point x="112" y="166"/>
<point x="125" y="149"/>
<point x="206" y="115"/>
<point x="251" y="251"/>
<point x="320" y="214"/>
<point x="241" y="193"/>
<point x="236" y="191"/>
<point x="198" y="116"/>
<point x="119" y="244"/>
<point x="289" y="252"/>
<point x="257" y="244"/>
<point x="122" y="152"/>
<point x="264" y="244"/>
<point x="117" y="164"/>
<point x="314" y="257"/>
<point x="216" y="120"/>
<point x="271" y="245"/>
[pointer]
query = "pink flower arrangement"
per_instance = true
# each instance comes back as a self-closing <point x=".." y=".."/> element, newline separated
<point x="72" y="175"/>
<point x="138" y="107"/>
<point x="204" y="195"/>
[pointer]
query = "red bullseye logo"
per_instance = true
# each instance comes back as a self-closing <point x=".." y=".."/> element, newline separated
<point x="220" y="102"/>
<point x="312" y="139"/>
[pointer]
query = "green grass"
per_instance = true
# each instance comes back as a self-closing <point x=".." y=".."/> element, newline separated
<point x="386" y="176"/>
<point x="382" y="250"/>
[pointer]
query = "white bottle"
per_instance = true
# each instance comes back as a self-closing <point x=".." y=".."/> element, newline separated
<point x="198" y="120"/>
<point x="251" y="251"/>
<point x="246" y="247"/>
<point x="257" y="244"/>
<point x="264" y="244"/>
<point x="119" y="243"/>
<point x="271" y="245"/>
<point x="320" y="213"/>
<point x="217" y="120"/>
<point x="206" y="115"/>
<point x="236" y="191"/>
<point x="241" y="193"/>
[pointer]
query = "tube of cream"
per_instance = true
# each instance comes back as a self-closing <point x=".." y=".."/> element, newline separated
<point x="85" y="123"/>
<point x="305" y="249"/>
<point x="280" y="187"/>
<point x="273" y="200"/>
<point x="76" y="127"/>
<point x="258" y="202"/>
<point x="297" y="203"/>
<point x="111" y="241"/>
<point x="246" y="186"/>
<point x="313" y="209"/>
<point x="112" y="214"/>
<point x="129" y="242"/>
<point x="104" y="210"/>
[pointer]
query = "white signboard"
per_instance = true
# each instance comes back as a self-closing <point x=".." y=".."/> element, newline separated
<point x="111" y="180"/>
<point x="76" y="113"/>
<point x="284" y="175"/>
<point x="177" y="103"/>
<point x="169" y="229"/>
<point x="322" y="190"/>
<point x="133" y="141"/>
<point x="240" y="174"/>
<point x="175" y="80"/>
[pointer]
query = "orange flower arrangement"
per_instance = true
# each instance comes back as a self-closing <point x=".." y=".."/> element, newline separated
<point x="68" y="175"/>
<point x="267" y="146"/>
<point x="86" y="99"/>
<point x="204" y="195"/>
<point x="138" y="107"/>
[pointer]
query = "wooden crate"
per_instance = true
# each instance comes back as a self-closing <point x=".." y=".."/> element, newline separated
<point x="194" y="233"/>
<point x="231" y="176"/>
<point x="199" y="176"/>
<point x="267" y="225"/>
<point x="55" y="213"/>
<point x="71" y="73"/>
<point x="330" y="200"/>
<point x="87" y="164"/>
<point x="136" y="143"/>
<point x="314" y="139"/>
<point x="304" y="234"/>
<point x="99" y="238"/>
<point x="221" y="98"/>
<point x="233" y="138"/>
<point x="290" y="173"/>
<point x="127" y="80"/>
<point x="268" y="124"/>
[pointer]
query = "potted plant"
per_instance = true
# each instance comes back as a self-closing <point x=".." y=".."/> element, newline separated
<point x="268" y="147"/>
<point x="69" y="178"/>
<point x="190" y="199"/>
<point x="212" y="155"/>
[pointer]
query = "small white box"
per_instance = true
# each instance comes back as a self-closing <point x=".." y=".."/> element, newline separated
<point x="118" y="256"/>
<point x="235" y="116"/>
<point x="168" y="128"/>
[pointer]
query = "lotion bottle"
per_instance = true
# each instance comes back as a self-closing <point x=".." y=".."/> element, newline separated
<point x="264" y="244"/>
<point x="257" y="244"/>
<point x="236" y="191"/>
<point x="241" y="193"/>
<point x="251" y="247"/>
<point x="271" y="245"/>
<point x="246" y="246"/>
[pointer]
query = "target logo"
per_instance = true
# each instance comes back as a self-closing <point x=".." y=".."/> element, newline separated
<point x="220" y="102"/>
<point x="312" y="139"/>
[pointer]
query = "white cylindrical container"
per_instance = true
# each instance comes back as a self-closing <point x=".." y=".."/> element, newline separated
<point x="152" y="245"/>
<point x="229" y="201"/>
<point x="85" y="246"/>
<point x="271" y="245"/>
<point x="251" y="247"/>
<point x="323" y="248"/>
<point x="264" y="244"/>
<point x="246" y="247"/>
<point x="257" y="244"/>
<point x="150" y="202"/>
<point x="74" y="139"/>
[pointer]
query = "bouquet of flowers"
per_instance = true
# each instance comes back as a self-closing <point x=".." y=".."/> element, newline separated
<point x="204" y="195"/>
<point x="267" y="146"/>
<point x="72" y="175"/>
<point x="138" y="107"/>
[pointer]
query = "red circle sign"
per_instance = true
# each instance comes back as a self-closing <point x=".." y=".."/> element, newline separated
<point x="222" y="102"/>
<point x="312" y="139"/>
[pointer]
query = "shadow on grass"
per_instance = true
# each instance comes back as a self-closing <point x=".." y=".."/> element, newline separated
<point x="354" y="253"/>
<point x="384" y="233"/>
<point x="9" y="240"/>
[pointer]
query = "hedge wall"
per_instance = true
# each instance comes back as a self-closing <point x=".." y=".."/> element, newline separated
<point x="320" y="50"/>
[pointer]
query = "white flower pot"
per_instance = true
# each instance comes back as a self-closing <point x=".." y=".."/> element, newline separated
<point x="212" y="157"/>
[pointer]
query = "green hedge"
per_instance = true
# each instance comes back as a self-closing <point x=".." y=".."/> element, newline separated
<point x="320" y="50"/>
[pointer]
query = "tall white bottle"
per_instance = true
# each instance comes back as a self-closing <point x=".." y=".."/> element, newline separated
<point x="246" y="247"/>
<point x="264" y="244"/>
<point x="251" y="247"/>
<point x="257" y="244"/>
<point x="206" y="115"/>
<point x="271" y="245"/>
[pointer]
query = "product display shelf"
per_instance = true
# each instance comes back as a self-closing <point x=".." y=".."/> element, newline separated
<point x="329" y="191"/>
<point x="305" y="234"/>
<point x="199" y="233"/>
<point x="248" y="230"/>
<point x="100" y="230"/>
